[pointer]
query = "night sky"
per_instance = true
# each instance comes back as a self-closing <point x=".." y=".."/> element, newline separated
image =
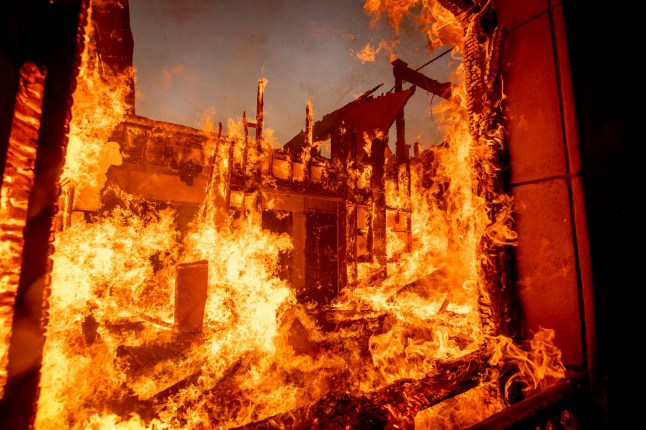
<point x="203" y="58"/>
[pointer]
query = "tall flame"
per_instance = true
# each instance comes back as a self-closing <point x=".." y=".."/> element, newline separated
<point x="99" y="105"/>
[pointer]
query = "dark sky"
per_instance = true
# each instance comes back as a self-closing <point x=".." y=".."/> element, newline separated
<point x="204" y="57"/>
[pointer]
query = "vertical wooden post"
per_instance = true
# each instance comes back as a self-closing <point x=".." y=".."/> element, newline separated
<point x="224" y="212"/>
<point x="349" y="148"/>
<point x="260" y="102"/>
<point x="306" y="154"/>
<point x="208" y="209"/>
<point x="401" y="152"/>
<point x="245" y="149"/>
<point x="342" y="244"/>
<point x="401" y="149"/>
<point x="260" y="169"/>
<point x="378" y="205"/>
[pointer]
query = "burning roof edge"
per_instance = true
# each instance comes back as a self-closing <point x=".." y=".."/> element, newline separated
<point x="364" y="114"/>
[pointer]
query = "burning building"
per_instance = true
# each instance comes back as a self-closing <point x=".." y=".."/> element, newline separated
<point x="210" y="280"/>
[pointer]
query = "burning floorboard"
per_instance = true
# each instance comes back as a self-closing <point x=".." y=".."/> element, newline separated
<point x="394" y="406"/>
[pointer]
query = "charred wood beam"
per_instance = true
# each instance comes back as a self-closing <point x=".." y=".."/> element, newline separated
<point x="260" y="103"/>
<point x="394" y="406"/>
<point x="368" y="93"/>
<point x="404" y="73"/>
<point x="227" y="180"/>
<point x="482" y="48"/>
<point x="214" y="178"/>
<point x="459" y="8"/>
<point x="344" y="226"/>
<point x="306" y="155"/>
<point x="245" y="150"/>
<point x="378" y="205"/>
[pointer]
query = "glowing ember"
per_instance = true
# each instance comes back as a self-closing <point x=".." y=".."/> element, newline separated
<point x="408" y="302"/>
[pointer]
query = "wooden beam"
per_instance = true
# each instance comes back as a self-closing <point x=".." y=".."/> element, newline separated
<point x="404" y="73"/>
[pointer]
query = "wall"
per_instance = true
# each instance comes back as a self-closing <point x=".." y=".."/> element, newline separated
<point x="574" y="95"/>
<point x="553" y="265"/>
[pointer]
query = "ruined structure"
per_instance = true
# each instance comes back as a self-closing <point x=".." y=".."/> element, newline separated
<point x="316" y="189"/>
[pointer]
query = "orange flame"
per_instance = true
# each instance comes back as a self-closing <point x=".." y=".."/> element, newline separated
<point x="110" y="342"/>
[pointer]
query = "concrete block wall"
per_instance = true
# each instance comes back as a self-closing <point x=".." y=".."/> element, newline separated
<point x="552" y="256"/>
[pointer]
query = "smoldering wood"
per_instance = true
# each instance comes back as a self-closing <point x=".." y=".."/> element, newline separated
<point x="378" y="205"/>
<point x="484" y="89"/>
<point x="211" y="192"/>
<point x="395" y="405"/>
<point x="260" y="153"/>
<point x="404" y="73"/>
<point x="344" y="242"/>
<point x="306" y="155"/>
<point x="245" y="152"/>
<point x="370" y="92"/>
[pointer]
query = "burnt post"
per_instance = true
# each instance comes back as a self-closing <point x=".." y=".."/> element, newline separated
<point x="260" y="103"/>
<point x="191" y="288"/>
<point x="208" y="210"/>
<point x="346" y="211"/>
<point x="245" y="150"/>
<point x="401" y="149"/>
<point x="227" y="182"/>
<point x="306" y="154"/>
<point x="378" y="205"/>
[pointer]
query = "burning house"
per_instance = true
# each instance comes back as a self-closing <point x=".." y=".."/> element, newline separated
<point x="159" y="276"/>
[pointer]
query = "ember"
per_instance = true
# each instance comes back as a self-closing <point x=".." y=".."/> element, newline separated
<point x="217" y="278"/>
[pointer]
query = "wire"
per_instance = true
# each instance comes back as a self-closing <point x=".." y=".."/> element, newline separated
<point x="427" y="63"/>
<point x="433" y="59"/>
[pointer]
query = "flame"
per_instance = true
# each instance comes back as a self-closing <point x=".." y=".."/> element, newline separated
<point x="368" y="53"/>
<point x="534" y="369"/>
<point x="114" y="357"/>
<point x="99" y="105"/>
<point x="438" y="23"/>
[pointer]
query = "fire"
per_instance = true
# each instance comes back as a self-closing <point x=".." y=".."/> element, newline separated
<point x="90" y="151"/>
<point x="368" y="53"/>
<point x="116" y="358"/>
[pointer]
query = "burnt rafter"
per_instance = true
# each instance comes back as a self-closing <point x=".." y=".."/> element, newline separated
<point x="404" y="73"/>
<point x="367" y="114"/>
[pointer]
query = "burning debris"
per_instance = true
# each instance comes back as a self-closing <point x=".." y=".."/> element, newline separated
<point x="204" y="280"/>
